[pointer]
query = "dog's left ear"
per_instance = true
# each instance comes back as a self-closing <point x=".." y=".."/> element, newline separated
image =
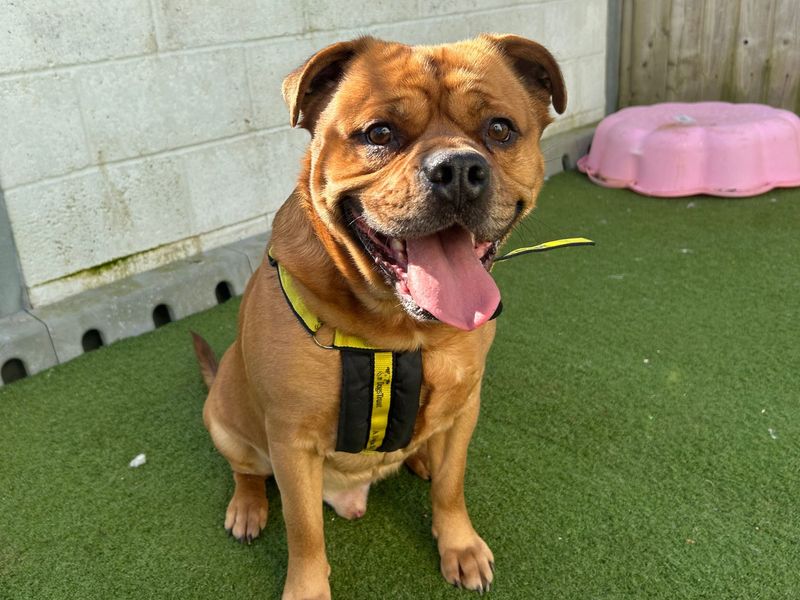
<point x="536" y="66"/>
<point x="307" y="89"/>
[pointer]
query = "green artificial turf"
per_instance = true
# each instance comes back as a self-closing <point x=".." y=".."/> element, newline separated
<point x="639" y="436"/>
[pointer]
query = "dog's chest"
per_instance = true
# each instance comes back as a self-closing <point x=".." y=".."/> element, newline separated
<point x="450" y="380"/>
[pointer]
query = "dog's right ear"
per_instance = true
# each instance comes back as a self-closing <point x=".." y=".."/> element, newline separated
<point x="308" y="89"/>
<point x="536" y="67"/>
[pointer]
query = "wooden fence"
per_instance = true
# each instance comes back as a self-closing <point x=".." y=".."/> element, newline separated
<point x="689" y="50"/>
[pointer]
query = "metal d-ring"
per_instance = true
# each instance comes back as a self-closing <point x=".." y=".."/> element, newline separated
<point x="320" y="344"/>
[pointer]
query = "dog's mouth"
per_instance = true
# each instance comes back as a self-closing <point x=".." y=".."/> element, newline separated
<point x="442" y="276"/>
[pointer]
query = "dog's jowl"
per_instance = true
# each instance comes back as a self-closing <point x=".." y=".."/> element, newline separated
<point x="363" y="335"/>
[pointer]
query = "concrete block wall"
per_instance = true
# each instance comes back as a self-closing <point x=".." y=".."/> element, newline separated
<point x="137" y="132"/>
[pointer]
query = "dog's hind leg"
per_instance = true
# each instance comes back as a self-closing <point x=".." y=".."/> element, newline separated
<point x="238" y="438"/>
<point x="247" y="511"/>
<point x="419" y="463"/>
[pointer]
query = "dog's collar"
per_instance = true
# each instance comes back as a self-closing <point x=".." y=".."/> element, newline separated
<point x="307" y="318"/>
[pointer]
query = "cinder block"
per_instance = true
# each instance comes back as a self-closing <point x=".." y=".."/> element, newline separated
<point x="125" y="308"/>
<point x="235" y="181"/>
<point x="574" y="28"/>
<point x="75" y="223"/>
<point x="188" y="23"/>
<point x="221" y="238"/>
<point x="24" y="338"/>
<point x="527" y="21"/>
<point x="437" y="31"/>
<point x="590" y="82"/>
<point x="282" y="151"/>
<point x="335" y="14"/>
<point x="446" y="7"/>
<point x="40" y="129"/>
<point x="57" y="227"/>
<point x="227" y="183"/>
<point x="152" y="104"/>
<point x="37" y="34"/>
<point x="150" y="197"/>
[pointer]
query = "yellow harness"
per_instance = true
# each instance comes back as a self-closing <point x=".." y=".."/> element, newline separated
<point x="380" y="388"/>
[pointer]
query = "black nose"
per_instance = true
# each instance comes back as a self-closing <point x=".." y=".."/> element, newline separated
<point x="457" y="176"/>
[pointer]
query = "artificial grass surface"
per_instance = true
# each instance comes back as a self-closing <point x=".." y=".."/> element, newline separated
<point x="639" y="435"/>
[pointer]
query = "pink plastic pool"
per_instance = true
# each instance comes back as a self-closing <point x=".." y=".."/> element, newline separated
<point x="680" y="149"/>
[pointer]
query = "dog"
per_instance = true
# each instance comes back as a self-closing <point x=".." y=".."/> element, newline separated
<point x="422" y="159"/>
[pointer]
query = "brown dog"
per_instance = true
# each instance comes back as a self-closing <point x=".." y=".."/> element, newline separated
<point x="421" y="161"/>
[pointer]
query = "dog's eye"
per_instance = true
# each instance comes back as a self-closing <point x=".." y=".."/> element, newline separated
<point x="379" y="135"/>
<point x="499" y="130"/>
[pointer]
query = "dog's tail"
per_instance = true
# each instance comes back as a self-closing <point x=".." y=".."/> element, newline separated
<point x="206" y="358"/>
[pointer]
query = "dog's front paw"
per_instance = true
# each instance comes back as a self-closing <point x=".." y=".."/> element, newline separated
<point x="467" y="562"/>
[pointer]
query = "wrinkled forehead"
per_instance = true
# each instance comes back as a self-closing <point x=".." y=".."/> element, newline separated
<point x="414" y="84"/>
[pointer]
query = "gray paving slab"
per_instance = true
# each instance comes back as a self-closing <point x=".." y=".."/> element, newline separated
<point x="24" y="338"/>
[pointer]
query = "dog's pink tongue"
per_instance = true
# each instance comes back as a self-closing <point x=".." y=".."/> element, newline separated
<point x="447" y="279"/>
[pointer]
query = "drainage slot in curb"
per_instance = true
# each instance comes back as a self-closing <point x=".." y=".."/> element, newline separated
<point x="162" y="315"/>
<point x="566" y="163"/>
<point x="13" y="370"/>
<point x="92" y="340"/>
<point x="223" y="291"/>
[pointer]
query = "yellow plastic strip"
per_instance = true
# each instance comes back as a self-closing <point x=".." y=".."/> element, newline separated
<point x="577" y="241"/>
<point x="344" y="340"/>
<point x="310" y="320"/>
<point x="381" y="399"/>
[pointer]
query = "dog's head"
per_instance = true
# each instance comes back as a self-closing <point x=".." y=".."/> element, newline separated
<point x="423" y="159"/>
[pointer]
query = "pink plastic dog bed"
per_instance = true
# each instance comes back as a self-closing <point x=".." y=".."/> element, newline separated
<point x="678" y="149"/>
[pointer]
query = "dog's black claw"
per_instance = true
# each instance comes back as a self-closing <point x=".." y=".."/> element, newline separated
<point x="491" y="565"/>
<point x="249" y="538"/>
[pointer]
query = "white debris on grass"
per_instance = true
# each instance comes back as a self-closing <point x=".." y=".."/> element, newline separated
<point x="772" y="433"/>
<point x="691" y="205"/>
<point x="646" y="361"/>
<point x="686" y="250"/>
<point x="137" y="461"/>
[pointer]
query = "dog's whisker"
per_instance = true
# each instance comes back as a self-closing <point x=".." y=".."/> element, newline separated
<point x="355" y="219"/>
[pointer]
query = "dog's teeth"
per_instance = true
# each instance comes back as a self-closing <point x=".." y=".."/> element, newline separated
<point x="396" y="245"/>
